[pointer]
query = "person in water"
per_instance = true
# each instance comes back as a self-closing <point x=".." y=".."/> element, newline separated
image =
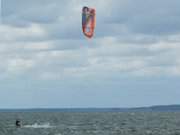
<point x="18" y="123"/>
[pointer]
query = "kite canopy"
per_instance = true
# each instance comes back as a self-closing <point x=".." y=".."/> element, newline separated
<point x="88" y="21"/>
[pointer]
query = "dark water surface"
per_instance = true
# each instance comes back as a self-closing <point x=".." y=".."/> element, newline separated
<point x="107" y="123"/>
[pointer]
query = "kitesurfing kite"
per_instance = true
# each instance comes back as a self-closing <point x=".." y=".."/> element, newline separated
<point x="88" y="21"/>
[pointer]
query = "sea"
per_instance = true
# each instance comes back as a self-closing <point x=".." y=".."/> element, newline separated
<point x="90" y="123"/>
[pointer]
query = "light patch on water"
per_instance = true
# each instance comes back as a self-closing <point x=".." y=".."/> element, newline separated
<point x="58" y="134"/>
<point x="35" y="125"/>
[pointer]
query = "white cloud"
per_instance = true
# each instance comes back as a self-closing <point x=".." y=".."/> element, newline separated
<point x="13" y="34"/>
<point x="19" y="66"/>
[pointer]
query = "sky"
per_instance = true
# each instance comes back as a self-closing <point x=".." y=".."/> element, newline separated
<point x="46" y="62"/>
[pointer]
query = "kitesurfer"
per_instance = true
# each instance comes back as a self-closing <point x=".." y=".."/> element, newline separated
<point x="18" y="123"/>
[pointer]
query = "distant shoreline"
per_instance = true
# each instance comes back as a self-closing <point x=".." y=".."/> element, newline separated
<point x="158" y="108"/>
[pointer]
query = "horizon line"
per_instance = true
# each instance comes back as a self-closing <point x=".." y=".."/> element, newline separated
<point x="51" y="108"/>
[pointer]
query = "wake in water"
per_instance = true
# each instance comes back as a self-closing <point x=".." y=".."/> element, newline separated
<point x="36" y="125"/>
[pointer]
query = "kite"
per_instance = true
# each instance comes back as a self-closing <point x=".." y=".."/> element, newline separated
<point x="88" y="21"/>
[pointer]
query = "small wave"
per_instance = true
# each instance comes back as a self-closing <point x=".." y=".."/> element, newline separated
<point x="35" y="125"/>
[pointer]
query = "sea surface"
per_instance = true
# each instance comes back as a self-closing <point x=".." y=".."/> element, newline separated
<point x="90" y="123"/>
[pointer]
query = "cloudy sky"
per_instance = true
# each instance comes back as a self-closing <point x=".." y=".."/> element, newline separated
<point x="133" y="59"/>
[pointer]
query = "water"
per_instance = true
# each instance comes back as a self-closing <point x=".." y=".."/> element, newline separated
<point x="108" y="123"/>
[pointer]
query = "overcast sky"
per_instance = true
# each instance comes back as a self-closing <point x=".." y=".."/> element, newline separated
<point x="132" y="60"/>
